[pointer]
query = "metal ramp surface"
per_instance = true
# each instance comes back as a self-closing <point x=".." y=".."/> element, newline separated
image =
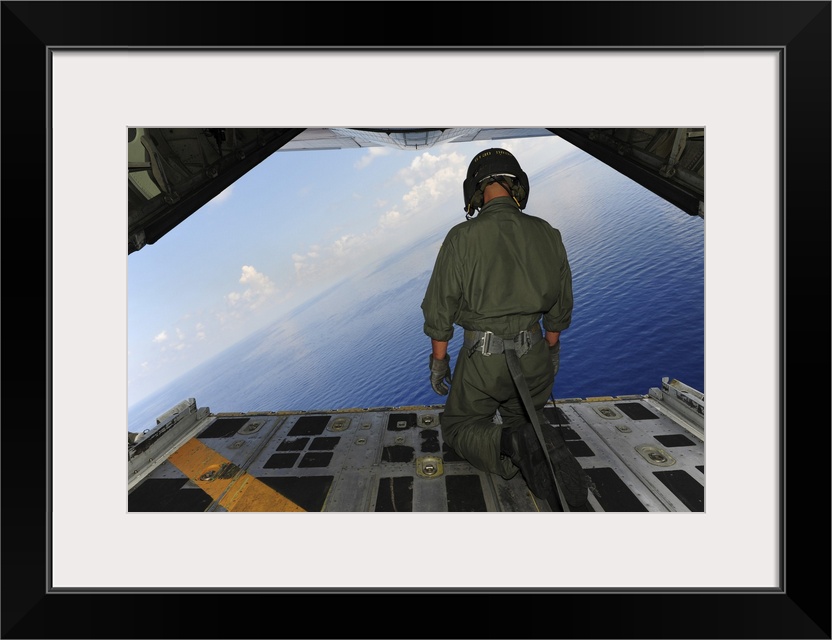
<point x="642" y="452"/>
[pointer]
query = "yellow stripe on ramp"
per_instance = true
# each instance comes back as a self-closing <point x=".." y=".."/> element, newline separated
<point x="222" y="480"/>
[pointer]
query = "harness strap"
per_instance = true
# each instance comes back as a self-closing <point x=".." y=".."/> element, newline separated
<point x="520" y="382"/>
<point x="487" y="343"/>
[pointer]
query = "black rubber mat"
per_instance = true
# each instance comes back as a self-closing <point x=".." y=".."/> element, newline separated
<point x="397" y="453"/>
<point x="307" y="492"/>
<point x="465" y="493"/>
<point x="636" y="411"/>
<point x="294" y="444"/>
<point x="325" y="443"/>
<point x="555" y="415"/>
<point x="401" y="421"/>
<point x="614" y="495"/>
<point x="281" y="461"/>
<point x="223" y="428"/>
<point x="167" y="494"/>
<point x="675" y="440"/>
<point x="309" y="426"/>
<point x="684" y="487"/>
<point x="580" y="449"/>
<point x="314" y="459"/>
<point x="395" y="494"/>
<point x="569" y="433"/>
<point x="430" y="441"/>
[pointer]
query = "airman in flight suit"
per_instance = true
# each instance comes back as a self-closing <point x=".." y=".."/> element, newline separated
<point x="498" y="276"/>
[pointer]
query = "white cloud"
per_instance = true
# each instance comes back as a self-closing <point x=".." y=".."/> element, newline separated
<point x="431" y="179"/>
<point x="427" y="164"/>
<point x="258" y="289"/>
<point x="168" y="343"/>
<point x="372" y="154"/>
<point x="390" y="219"/>
<point x="331" y="261"/>
<point x="345" y="244"/>
<point x="437" y="186"/>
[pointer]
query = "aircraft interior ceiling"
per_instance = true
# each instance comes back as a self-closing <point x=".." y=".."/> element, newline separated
<point x="172" y="172"/>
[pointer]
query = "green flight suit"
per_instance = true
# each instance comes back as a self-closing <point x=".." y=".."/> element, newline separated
<point x="501" y="271"/>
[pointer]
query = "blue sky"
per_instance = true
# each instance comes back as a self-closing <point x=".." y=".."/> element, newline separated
<point x="292" y="227"/>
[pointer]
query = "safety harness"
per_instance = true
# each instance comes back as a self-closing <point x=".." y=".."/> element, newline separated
<point x="515" y="348"/>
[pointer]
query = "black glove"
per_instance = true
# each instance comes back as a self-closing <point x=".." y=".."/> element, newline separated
<point x="440" y="371"/>
<point x="554" y="356"/>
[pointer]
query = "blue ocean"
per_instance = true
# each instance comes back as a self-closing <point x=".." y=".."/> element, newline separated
<point x="638" y="266"/>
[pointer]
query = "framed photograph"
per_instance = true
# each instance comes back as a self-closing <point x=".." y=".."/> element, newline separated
<point x="754" y="75"/>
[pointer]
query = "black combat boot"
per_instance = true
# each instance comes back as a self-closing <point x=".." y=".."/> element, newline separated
<point x="521" y="445"/>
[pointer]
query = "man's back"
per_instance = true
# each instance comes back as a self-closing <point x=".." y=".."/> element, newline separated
<point x="505" y="267"/>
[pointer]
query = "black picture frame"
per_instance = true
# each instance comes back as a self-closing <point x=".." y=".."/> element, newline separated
<point x="799" y="609"/>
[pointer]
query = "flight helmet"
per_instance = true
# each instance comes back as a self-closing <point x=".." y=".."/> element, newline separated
<point x="489" y="166"/>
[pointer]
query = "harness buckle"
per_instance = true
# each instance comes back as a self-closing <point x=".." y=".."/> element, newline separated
<point x="523" y="343"/>
<point x="486" y="343"/>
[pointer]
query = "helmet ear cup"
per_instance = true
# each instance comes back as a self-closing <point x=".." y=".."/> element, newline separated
<point x="472" y="191"/>
<point x="520" y="194"/>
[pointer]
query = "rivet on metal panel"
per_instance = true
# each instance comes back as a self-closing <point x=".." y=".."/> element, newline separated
<point x="250" y="427"/>
<point x="609" y="413"/>
<point x="427" y="420"/>
<point x="656" y="456"/>
<point x="429" y="467"/>
<point x="339" y="424"/>
<point x="209" y="474"/>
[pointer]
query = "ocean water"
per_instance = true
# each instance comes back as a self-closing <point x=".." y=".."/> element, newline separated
<point x="639" y="285"/>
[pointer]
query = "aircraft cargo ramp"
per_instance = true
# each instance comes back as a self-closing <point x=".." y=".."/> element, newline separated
<point x="643" y="453"/>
